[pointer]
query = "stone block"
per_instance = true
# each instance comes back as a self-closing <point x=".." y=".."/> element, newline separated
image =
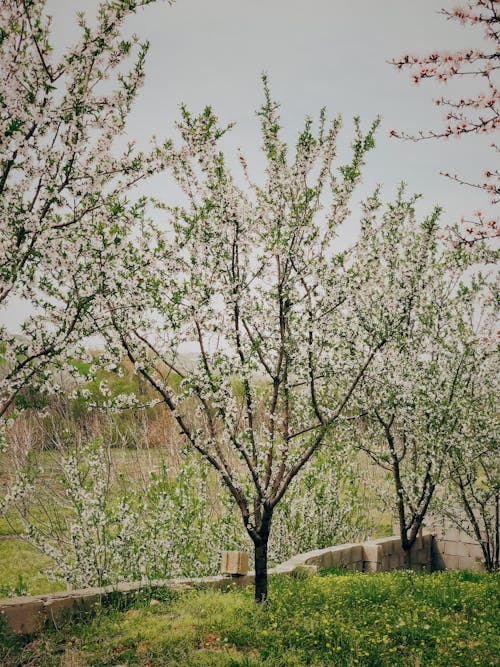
<point x="419" y="540"/>
<point x="357" y="566"/>
<point x="336" y="556"/>
<point x="451" y="533"/>
<point x="417" y="558"/>
<point x="341" y="556"/>
<point x="438" y="562"/>
<point x="244" y="580"/>
<point x="217" y="582"/>
<point x="62" y="608"/>
<point x="438" y="545"/>
<point x="467" y="538"/>
<point x="317" y="561"/>
<point x="475" y="552"/>
<point x="385" y="563"/>
<point x="320" y="558"/>
<point x="457" y="535"/>
<point x="389" y="545"/>
<point x="234" y="562"/>
<point x="395" y="562"/>
<point x="371" y="566"/>
<point x="451" y="562"/>
<point x="328" y="558"/>
<point x="23" y="616"/>
<point x="283" y="568"/>
<point x="347" y="557"/>
<point x="464" y="563"/>
<point x="434" y="530"/>
<point x="427" y="541"/>
<point x="463" y="550"/>
<point x="130" y="587"/>
<point x="372" y="551"/>
<point x="472" y="564"/>
<point x="451" y="548"/>
<point x="355" y="553"/>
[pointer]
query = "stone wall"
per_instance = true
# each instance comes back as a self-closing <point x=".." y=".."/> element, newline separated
<point x="456" y="550"/>
<point x="450" y="550"/>
<point x="29" y="614"/>
<point x="379" y="555"/>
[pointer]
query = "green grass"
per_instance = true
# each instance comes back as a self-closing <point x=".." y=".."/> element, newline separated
<point x="395" y="619"/>
<point x="23" y="568"/>
<point x="10" y="525"/>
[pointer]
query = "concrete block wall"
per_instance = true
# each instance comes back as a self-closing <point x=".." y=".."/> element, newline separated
<point x="29" y="614"/>
<point x="349" y="556"/>
<point x="454" y="549"/>
<point x="450" y="550"/>
<point x="379" y="555"/>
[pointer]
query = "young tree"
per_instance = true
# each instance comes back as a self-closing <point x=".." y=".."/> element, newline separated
<point x="414" y="400"/>
<point x="252" y="281"/>
<point x="63" y="180"/>
<point x="473" y="112"/>
<point x="471" y="496"/>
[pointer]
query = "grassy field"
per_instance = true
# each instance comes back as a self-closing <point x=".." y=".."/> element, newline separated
<point x="23" y="569"/>
<point x="392" y="619"/>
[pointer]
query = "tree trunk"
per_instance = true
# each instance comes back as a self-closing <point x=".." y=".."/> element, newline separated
<point x="261" y="569"/>
<point x="408" y="553"/>
<point x="408" y="538"/>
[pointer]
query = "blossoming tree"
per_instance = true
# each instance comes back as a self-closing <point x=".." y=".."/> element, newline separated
<point x="63" y="180"/>
<point x="473" y="112"/>
<point x="471" y="494"/>
<point x="252" y="281"/>
<point x="416" y="398"/>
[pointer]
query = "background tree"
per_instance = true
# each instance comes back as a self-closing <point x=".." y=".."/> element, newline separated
<point x="472" y="112"/>
<point x="471" y="495"/>
<point x="414" y="401"/>
<point x="252" y="281"/>
<point x="64" y="181"/>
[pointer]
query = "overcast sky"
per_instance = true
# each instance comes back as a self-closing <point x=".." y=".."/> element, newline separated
<point x="317" y="53"/>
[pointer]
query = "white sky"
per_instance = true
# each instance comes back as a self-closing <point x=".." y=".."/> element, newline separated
<point x="317" y="53"/>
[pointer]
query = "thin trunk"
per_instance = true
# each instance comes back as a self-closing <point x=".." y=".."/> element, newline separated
<point x="260" y="539"/>
<point x="407" y="549"/>
<point x="261" y="569"/>
<point x="496" y="534"/>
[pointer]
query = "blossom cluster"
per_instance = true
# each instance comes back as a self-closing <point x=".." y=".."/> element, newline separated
<point x="467" y="114"/>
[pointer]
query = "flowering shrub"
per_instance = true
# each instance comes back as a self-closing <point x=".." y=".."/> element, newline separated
<point x="100" y="528"/>
<point x="323" y="508"/>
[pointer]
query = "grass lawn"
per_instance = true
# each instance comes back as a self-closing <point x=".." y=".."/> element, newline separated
<point x="444" y="619"/>
<point x="21" y="566"/>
